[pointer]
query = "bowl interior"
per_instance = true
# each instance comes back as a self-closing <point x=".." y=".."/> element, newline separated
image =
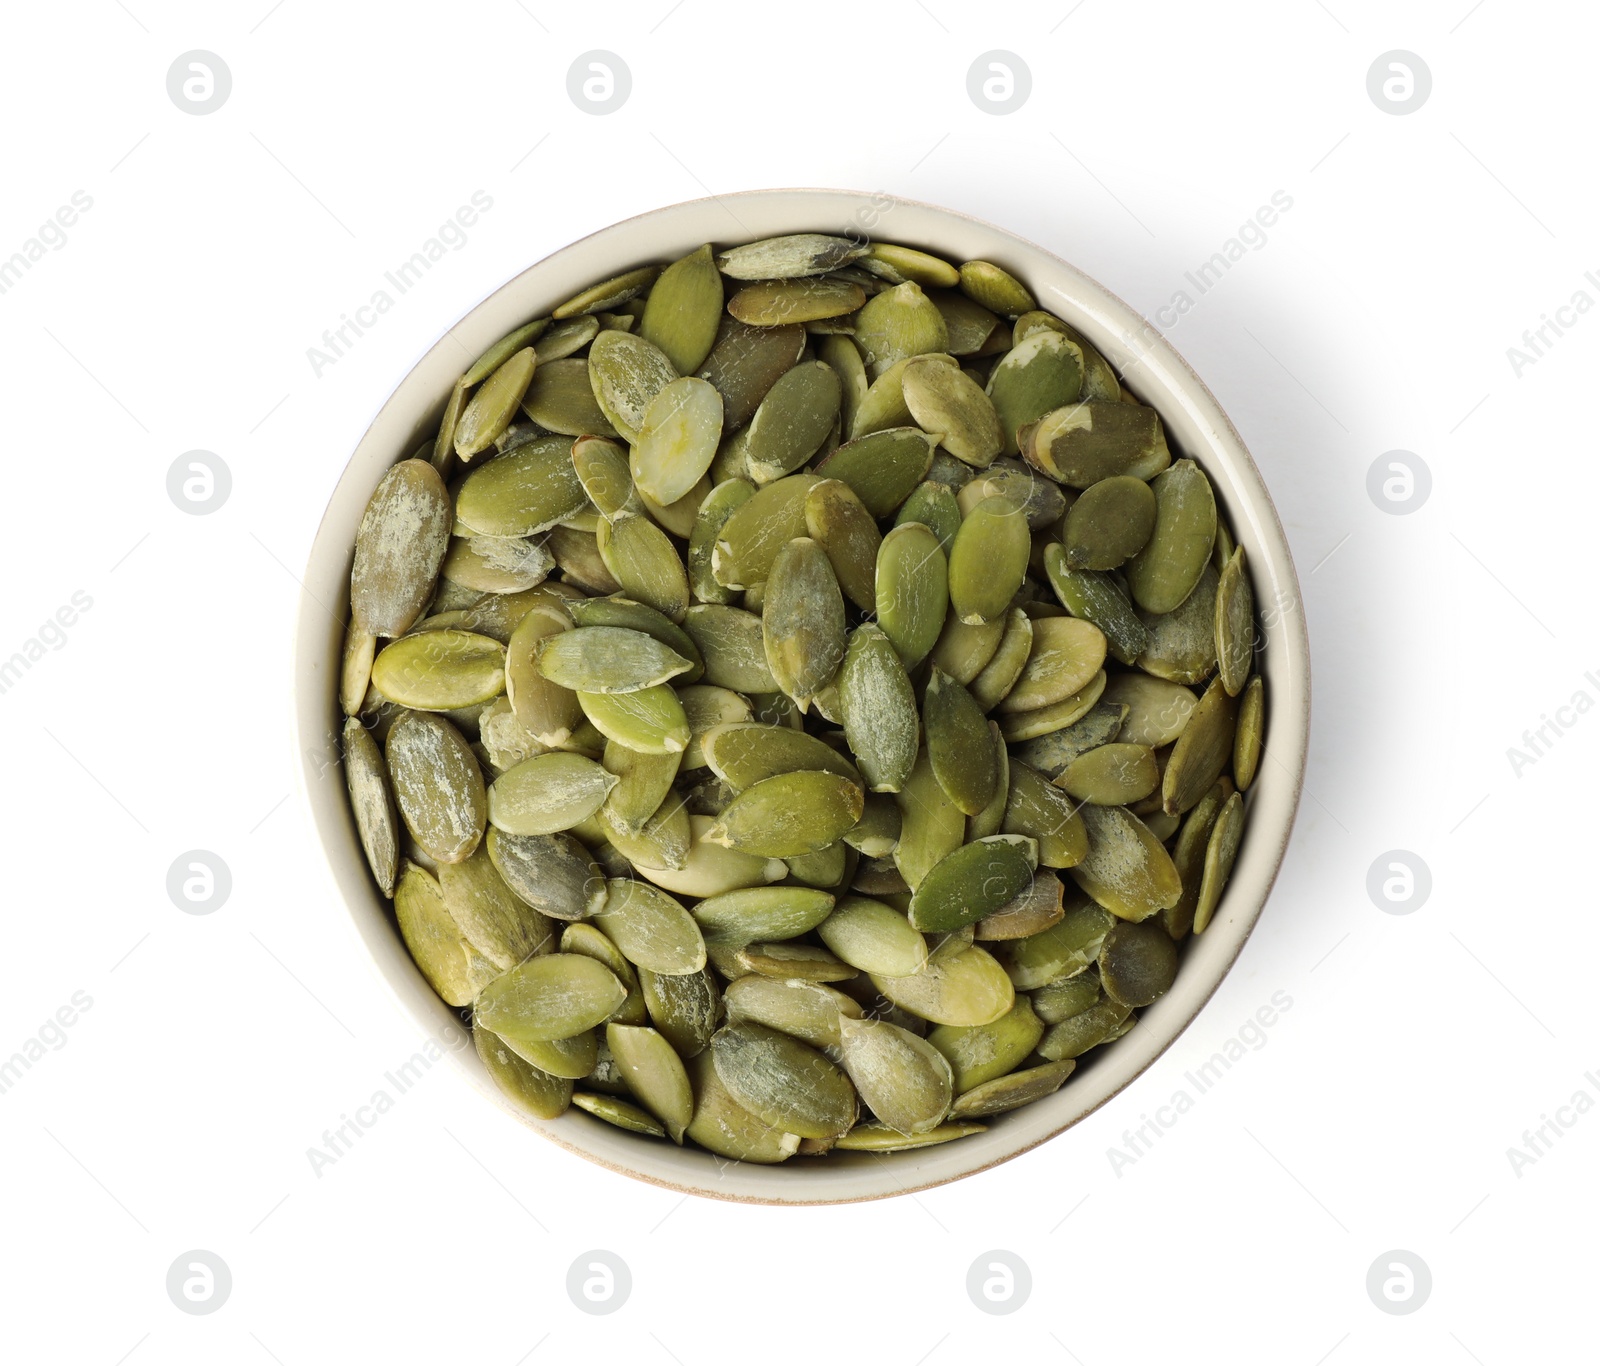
<point x="1195" y="426"/>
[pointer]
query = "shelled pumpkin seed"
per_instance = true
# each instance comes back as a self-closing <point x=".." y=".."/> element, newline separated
<point x="766" y="630"/>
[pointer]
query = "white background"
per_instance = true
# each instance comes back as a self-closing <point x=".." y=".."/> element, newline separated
<point x="1379" y="1111"/>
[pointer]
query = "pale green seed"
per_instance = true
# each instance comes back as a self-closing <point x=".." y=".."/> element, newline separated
<point x="1066" y="996"/>
<point x="883" y="405"/>
<point x="994" y="288"/>
<point x="963" y="756"/>
<point x="1044" y="813"/>
<point x="554" y="874"/>
<point x="988" y="560"/>
<point x="785" y="258"/>
<point x="911" y="594"/>
<point x="981" y="1053"/>
<point x="1074" y="1037"/>
<point x="963" y="649"/>
<point x="646" y="563"/>
<point x="608" y="294"/>
<point x="973" y="329"/>
<point x="794" y="960"/>
<point x="897" y="264"/>
<point x="730" y="641"/>
<point x="760" y="913"/>
<point x="653" y="1071"/>
<point x="715" y="510"/>
<point x="745" y="363"/>
<point x="840" y="523"/>
<point x="725" y="1127"/>
<point x="523" y="492"/>
<point x="1010" y="1091"/>
<point x="1035" y="908"/>
<point x="786" y="1083"/>
<point x="1050" y="754"/>
<point x="591" y="942"/>
<point x="803" y="620"/>
<point x="453" y="968"/>
<point x="793" y="813"/>
<point x="1063" y="950"/>
<point x="626" y="372"/>
<point x="873" y="937"/>
<point x="1222" y="848"/>
<point x="1127" y="871"/>
<point x="1202" y="752"/>
<point x="493" y="919"/>
<point x="1029" y="725"/>
<point x="879" y="709"/>
<point x="371" y="801"/>
<point x="1097" y="598"/>
<point x="1007" y="661"/>
<point x="1138" y="963"/>
<point x="555" y="996"/>
<point x="1236" y="614"/>
<point x="1166" y="571"/>
<point x="1157" y="710"/>
<point x="547" y="793"/>
<point x="490" y="410"/>
<point x="1042" y="501"/>
<point x="531" y="1090"/>
<point x="618" y="611"/>
<point x="608" y="659"/>
<point x="954" y="411"/>
<point x="879" y="1138"/>
<point x="502" y="351"/>
<point x="935" y="506"/>
<point x="772" y="303"/>
<point x="438" y="786"/>
<point x="548" y="711"/>
<point x="651" y="928"/>
<point x="882" y="467"/>
<point x="1086" y="442"/>
<point x="745" y="753"/>
<point x="931" y="825"/>
<point x="708" y="869"/>
<point x="966" y="988"/>
<point x="1064" y="655"/>
<point x="1247" y="740"/>
<point x="683" y="310"/>
<point x="1038" y="375"/>
<point x="643" y="782"/>
<point x="1112" y="775"/>
<point x="400" y="545"/>
<point x="443" y="455"/>
<point x="811" y="1011"/>
<point x="988" y="821"/>
<point x="758" y="529"/>
<point x="792" y="422"/>
<point x="560" y="399"/>
<point x="496" y="564"/>
<point x="974" y="881"/>
<point x="905" y="1081"/>
<point x="620" y="1113"/>
<point x="897" y="324"/>
<point x="708" y="707"/>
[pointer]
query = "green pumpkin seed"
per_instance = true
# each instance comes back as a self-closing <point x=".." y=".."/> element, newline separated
<point x="452" y="966"/>
<point x="608" y="659"/>
<point x="621" y="1113"/>
<point x="883" y="406"/>
<point x="996" y="289"/>
<point x="377" y="822"/>
<point x="574" y="1059"/>
<point x="564" y="338"/>
<point x="1038" y="375"/>
<point x="1099" y="379"/>
<point x="964" y="649"/>
<point x="522" y="493"/>
<point x="988" y="560"/>
<point x="497" y="564"/>
<point x="879" y="708"/>
<point x="683" y="310"/>
<point x="897" y="324"/>
<point x="1042" y="502"/>
<point x="441" y="670"/>
<point x="677" y="439"/>
<point x="531" y="1090"/>
<point x="953" y="410"/>
<point x="650" y="720"/>
<point x="911" y="590"/>
<point x="1126" y="870"/>
<point x="626" y="372"/>
<point x="793" y="813"/>
<point x="725" y="1127"/>
<point x="758" y="529"/>
<point x="746" y="753"/>
<point x="1064" y="655"/>
<point x="933" y="506"/>
<point x="578" y="555"/>
<point x="643" y="782"/>
<point x="746" y="362"/>
<point x="651" y="928"/>
<point x="844" y="356"/>
<point x="1158" y="711"/>
<point x="707" y="707"/>
<point x="1000" y="674"/>
<point x="754" y="913"/>
<point x="974" y="881"/>
<point x="840" y="523"/>
<point x="355" y="668"/>
<point x="1063" y="950"/>
<point x="1247" y="737"/>
<point x="400" y="545"/>
<point x="986" y="822"/>
<point x="1044" y="813"/>
<point x="437" y="786"/>
<point x="1074" y="1037"/>
<point x="502" y="351"/>
<point x="492" y="918"/>
<point x="1182" y="646"/>
<point x="555" y="996"/>
<point x="882" y="467"/>
<point x="898" y="264"/>
<point x="963" y="756"/>
<point x="803" y="620"/>
<point x="1236" y="613"/>
<point x="677" y="518"/>
<point x="552" y="873"/>
<point x="873" y="937"/>
<point x="786" y="1083"/>
<point x="906" y="1082"/>
<point x="931" y="825"/>
<point x="715" y="510"/>
<point x="786" y="258"/>
<point x="443" y="454"/>
<point x="1100" y="725"/>
<point x="685" y="1008"/>
<point x="1112" y="775"/>
<point x="653" y="1071"/>
<point x="608" y="294"/>
<point x="1138" y="963"/>
<point x="878" y="831"/>
<point x="1221" y="850"/>
<point x="1034" y="909"/>
<point x="1166" y="571"/>
<point x="971" y="327"/>
<point x="809" y="1011"/>
<point x="645" y="563"/>
<point x="967" y="988"/>
<point x="1202" y="752"/>
<point x="490" y="410"/>
<point x="1009" y="1092"/>
<point x="1097" y="598"/>
<point x="730" y="641"/>
<point x="797" y="961"/>
<point x="792" y="422"/>
<point x="1029" y="725"/>
<point x="547" y="710"/>
<point x="580" y="937"/>
<point x="548" y="793"/>
<point x="879" y="1138"/>
<point x="1067" y="996"/>
<point x="1086" y="442"/>
<point x="623" y="612"/>
<point x="982" y="1053"/>
<point x="1111" y="522"/>
<point x="772" y="303"/>
<point x="709" y="869"/>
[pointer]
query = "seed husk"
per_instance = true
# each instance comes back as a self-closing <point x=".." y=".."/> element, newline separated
<point x="803" y="620"/>
<point x="882" y="467"/>
<point x="956" y="412"/>
<point x="988" y="560"/>
<point x="437" y="786"/>
<point x="1083" y="443"/>
<point x="531" y="1090"/>
<point x="966" y="988"/>
<point x="906" y="1081"/>
<point x="879" y="710"/>
<point x="1110" y="523"/>
<point x="1247" y="737"/>
<point x="377" y="822"/>
<point x="399" y="547"/>
<point x="784" y="1082"/>
<point x="683" y="310"/>
<point x="793" y="813"/>
<point x="1137" y="963"/>
<point x="1126" y="870"/>
<point x="1166" y="571"/>
<point x="974" y="881"/>
<point x="490" y="410"/>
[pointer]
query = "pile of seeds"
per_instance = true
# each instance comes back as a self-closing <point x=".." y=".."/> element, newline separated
<point x="797" y="701"/>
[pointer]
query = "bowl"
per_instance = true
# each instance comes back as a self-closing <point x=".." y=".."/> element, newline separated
<point x="1151" y="368"/>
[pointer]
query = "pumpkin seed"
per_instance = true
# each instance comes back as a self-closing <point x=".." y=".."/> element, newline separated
<point x="988" y="560"/>
<point x="581" y="937"/>
<point x="810" y="1011"/>
<point x="1031" y="911"/>
<point x="988" y="821"/>
<point x="746" y="362"/>
<point x="898" y="264"/>
<point x="652" y="930"/>
<point x="608" y="294"/>
<point x="1044" y="813"/>
<point x="490" y="410"/>
<point x="785" y="258"/>
<point x="377" y="822"/>
<point x="981" y="1053"/>
<point x="1235" y="624"/>
<point x="683" y="310"/>
<point x="621" y="1113"/>
<point x="786" y="1083"/>
<point x="645" y="563"/>
<point x="1086" y="442"/>
<point x="685" y="1008"/>
<point x="725" y="1127"/>
<point x="840" y="523"/>
<point x="1039" y="374"/>
<point x="772" y="303"/>
<point x="1181" y="646"/>
<point x="1063" y="656"/>
<point x="793" y="813"/>
<point x="555" y="996"/>
<point x="883" y="467"/>
<point x="1063" y="950"/>
<point x="653" y="1071"/>
<point x="608" y="659"/>
<point x="677" y="439"/>
<point x="1074" y="1037"/>
<point x="1247" y="737"/>
<point x="492" y="918"/>
<point x="960" y="750"/>
<point x="650" y="720"/>
<point x="715" y="510"/>
<point x="994" y="288"/>
<point x="1066" y="996"/>
<point x="967" y="988"/>
<point x="753" y="913"/>
<point x="879" y="709"/>
<point x="758" y="529"/>
<point x="1112" y="775"/>
<point x="746" y="753"/>
<point x="523" y="492"/>
<point x="536" y="1092"/>
<point x="454" y="969"/>
<point x="1097" y="598"/>
<point x="437" y="786"/>
<point x="935" y="507"/>
<point x="879" y="1138"/>
<point x="792" y="421"/>
<point x="964" y="649"/>
<point x="897" y="324"/>
<point x="1202" y="752"/>
<point x="953" y="410"/>
<point x="1221" y="850"/>
<point x="1009" y="1092"/>
<point x="707" y="868"/>
<point x="441" y="670"/>
<point x="905" y="1081"/>
<point x="400" y="545"/>
<point x="974" y="881"/>
<point x="626" y="372"/>
<point x="803" y="621"/>
<point x="443" y="454"/>
<point x="1100" y="725"/>
<point x="1126" y="870"/>
<point x="799" y="961"/>
<point x="1166" y="571"/>
<point x="552" y="873"/>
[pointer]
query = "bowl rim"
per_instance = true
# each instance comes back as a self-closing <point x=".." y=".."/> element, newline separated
<point x="1146" y="361"/>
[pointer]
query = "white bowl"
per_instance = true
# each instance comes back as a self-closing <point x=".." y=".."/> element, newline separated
<point x="1196" y="426"/>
